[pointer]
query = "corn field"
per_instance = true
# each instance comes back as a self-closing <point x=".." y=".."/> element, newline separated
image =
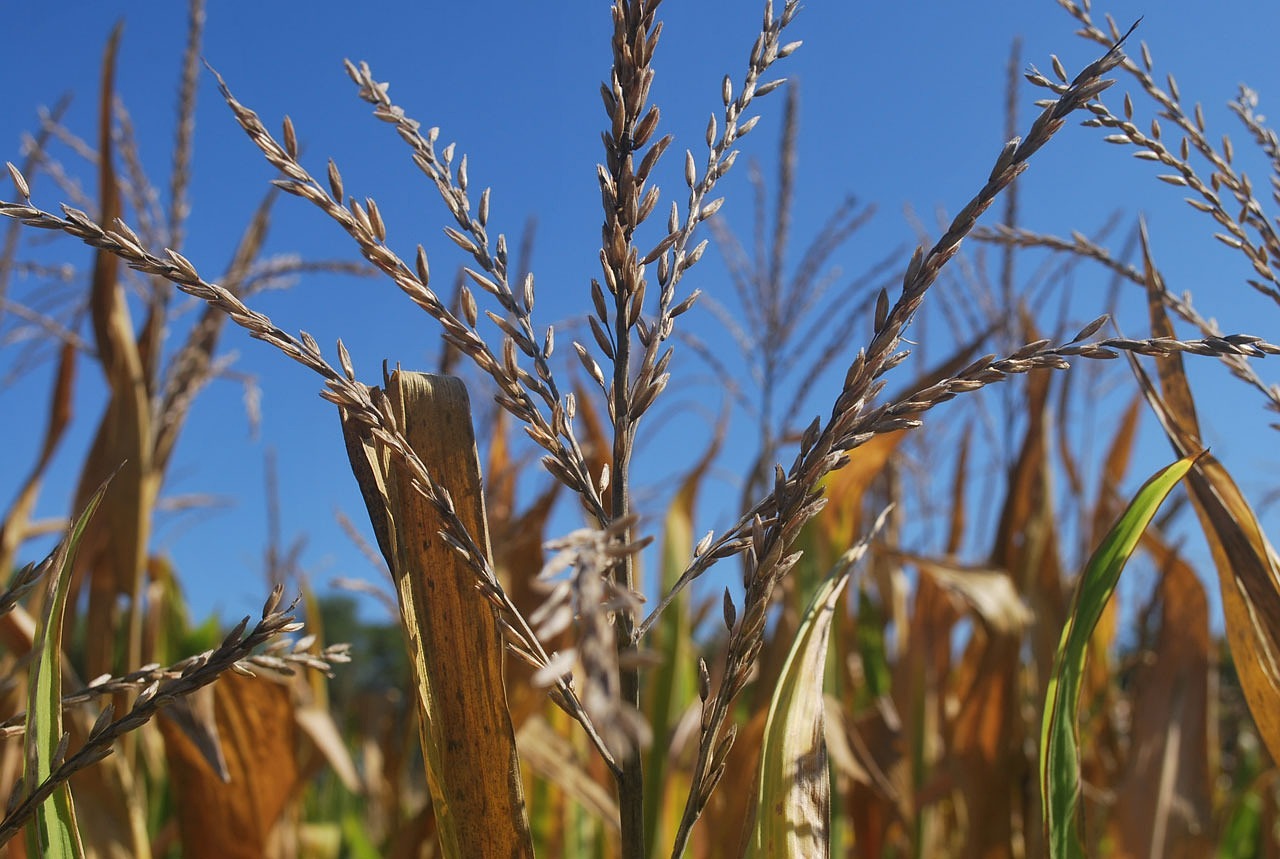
<point x="905" y="639"/>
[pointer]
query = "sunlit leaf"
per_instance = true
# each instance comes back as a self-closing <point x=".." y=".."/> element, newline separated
<point x="52" y="832"/>
<point x="468" y="740"/>
<point x="793" y="791"/>
<point x="1059" y="739"/>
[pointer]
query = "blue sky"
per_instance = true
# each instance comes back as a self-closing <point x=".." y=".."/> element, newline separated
<point x="902" y="105"/>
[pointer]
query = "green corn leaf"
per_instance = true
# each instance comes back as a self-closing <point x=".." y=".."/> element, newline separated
<point x="52" y="833"/>
<point x="1059" y="737"/>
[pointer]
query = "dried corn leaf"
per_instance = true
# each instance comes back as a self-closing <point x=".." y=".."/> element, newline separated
<point x="1164" y="793"/>
<point x="116" y="545"/>
<point x="14" y="529"/>
<point x="467" y="736"/>
<point x="235" y="819"/>
<point x="840" y="522"/>
<point x="1248" y="566"/>
<point x="1026" y="542"/>
<point x="983" y="731"/>
<point x="988" y="592"/>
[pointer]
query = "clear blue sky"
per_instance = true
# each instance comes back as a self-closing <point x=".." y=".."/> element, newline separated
<point x="902" y="104"/>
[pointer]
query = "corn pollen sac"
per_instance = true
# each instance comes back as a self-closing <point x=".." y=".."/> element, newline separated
<point x="730" y="612"/>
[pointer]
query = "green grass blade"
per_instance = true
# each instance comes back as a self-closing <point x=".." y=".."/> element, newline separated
<point x="1059" y="739"/>
<point x="52" y="832"/>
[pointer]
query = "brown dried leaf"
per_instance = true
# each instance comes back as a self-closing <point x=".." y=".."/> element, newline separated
<point x="235" y="819"/>
<point x="1164" y="797"/>
<point x="1248" y="567"/>
<point x="115" y="546"/>
<point x="467" y="736"/>
<point x="14" y="530"/>
<point x="988" y="592"/>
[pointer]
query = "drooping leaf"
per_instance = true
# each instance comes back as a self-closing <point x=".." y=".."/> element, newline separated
<point x="1248" y="566"/>
<point x="1059" y="738"/>
<point x="988" y="592"/>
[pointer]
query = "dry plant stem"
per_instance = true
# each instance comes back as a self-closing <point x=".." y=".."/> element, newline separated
<point x="180" y="178"/>
<point x="33" y="151"/>
<point x="519" y="391"/>
<point x="636" y="384"/>
<point x="635" y="37"/>
<point x="795" y="497"/>
<point x="237" y="646"/>
<point x="1082" y="246"/>
<point x="341" y="388"/>
<point x="281" y="657"/>
<point x="1259" y="252"/>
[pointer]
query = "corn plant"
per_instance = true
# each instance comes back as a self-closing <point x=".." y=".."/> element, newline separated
<point x="556" y="712"/>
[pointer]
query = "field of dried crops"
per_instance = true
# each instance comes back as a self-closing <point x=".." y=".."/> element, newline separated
<point x="904" y="642"/>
